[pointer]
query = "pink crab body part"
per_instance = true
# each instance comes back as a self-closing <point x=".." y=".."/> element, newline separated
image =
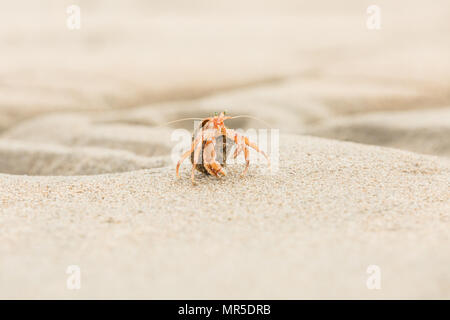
<point x="209" y="148"/>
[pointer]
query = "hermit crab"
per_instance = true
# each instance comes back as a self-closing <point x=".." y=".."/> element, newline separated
<point x="210" y="143"/>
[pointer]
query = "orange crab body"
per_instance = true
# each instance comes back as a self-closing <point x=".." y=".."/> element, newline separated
<point x="210" y="143"/>
<point x="221" y="148"/>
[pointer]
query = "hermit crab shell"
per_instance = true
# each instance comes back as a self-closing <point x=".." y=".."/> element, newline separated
<point x="223" y="147"/>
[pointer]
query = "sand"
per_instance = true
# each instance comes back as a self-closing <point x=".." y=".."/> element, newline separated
<point x="309" y="231"/>
<point x="87" y="177"/>
<point x="424" y="131"/>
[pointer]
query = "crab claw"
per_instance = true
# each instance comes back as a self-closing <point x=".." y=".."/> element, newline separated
<point x="216" y="168"/>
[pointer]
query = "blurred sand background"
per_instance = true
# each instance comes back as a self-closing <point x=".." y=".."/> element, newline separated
<point x="86" y="178"/>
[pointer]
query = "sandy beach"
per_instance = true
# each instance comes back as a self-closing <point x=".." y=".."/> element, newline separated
<point x="87" y="176"/>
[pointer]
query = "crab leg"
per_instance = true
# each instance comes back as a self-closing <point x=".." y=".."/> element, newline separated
<point x="183" y="157"/>
<point x="212" y="155"/>
<point x="238" y="139"/>
<point x="241" y="146"/>
<point x="209" y="159"/>
<point x="196" y="156"/>
<point x="247" y="161"/>
<point x="237" y="151"/>
<point x="187" y="154"/>
<point x="254" y="146"/>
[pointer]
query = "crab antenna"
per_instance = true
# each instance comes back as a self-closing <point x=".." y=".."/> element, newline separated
<point x="251" y="117"/>
<point x="179" y="120"/>
<point x="235" y="117"/>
